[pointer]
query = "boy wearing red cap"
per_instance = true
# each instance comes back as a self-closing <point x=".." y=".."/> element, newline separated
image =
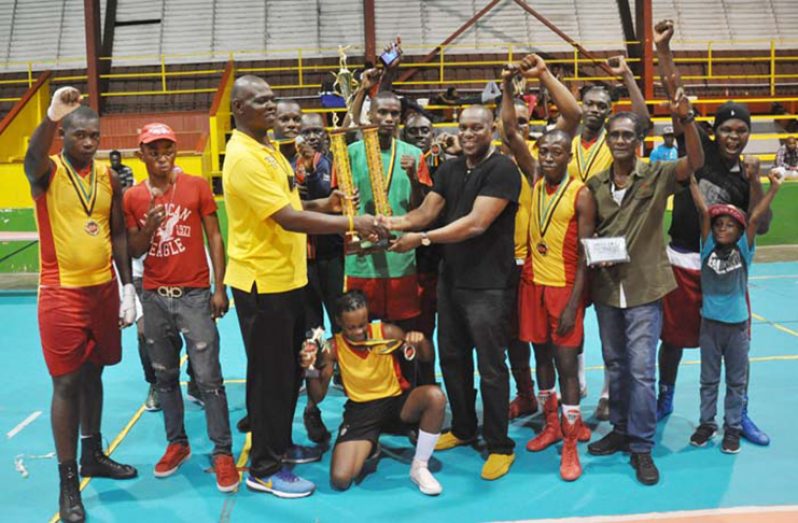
<point x="727" y="250"/>
<point x="165" y="216"/>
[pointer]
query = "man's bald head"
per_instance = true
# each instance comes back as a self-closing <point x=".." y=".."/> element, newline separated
<point x="478" y="111"/>
<point x="244" y="86"/>
<point x="252" y="105"/>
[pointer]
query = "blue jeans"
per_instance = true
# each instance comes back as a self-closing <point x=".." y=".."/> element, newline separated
<point x="166" y="318"/>
<point x="629" y="340"/>
<point x="726" y="343"/>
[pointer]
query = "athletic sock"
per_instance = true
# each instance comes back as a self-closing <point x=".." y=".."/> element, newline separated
<point x="543" y="395"/>
<point x="571" y="413"/>
<point x="425" y="446"/>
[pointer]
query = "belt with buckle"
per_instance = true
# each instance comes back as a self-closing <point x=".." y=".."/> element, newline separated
<point x="170" y="292"/>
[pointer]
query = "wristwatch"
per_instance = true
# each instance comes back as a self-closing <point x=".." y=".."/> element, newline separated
<point x="425" y="241"/>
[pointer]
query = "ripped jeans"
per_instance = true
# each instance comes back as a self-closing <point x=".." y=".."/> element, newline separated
<point x="190" y="316"/>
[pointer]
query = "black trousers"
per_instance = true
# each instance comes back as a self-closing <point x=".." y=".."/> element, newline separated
<point x="273" y="327"/>
<point x="468" y="319"/>
<point x="325" y="286"/>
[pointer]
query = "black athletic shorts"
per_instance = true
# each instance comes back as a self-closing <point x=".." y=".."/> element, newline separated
<point x="366" y="421"/>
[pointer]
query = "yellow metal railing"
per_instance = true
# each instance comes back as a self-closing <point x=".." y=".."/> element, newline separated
<point x="447" y="62"/>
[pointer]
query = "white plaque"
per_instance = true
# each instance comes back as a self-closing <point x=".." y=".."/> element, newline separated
<point x="605" y="250"/>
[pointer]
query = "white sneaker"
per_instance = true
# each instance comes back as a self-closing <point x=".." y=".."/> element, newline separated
<point x="421" y="476"/>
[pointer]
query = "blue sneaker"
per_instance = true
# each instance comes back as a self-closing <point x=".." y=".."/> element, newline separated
<point x="750" y="431"/>
<point x="665" y="401"/>
<point x="283" y="484"/>
<point x="297" y="454"/>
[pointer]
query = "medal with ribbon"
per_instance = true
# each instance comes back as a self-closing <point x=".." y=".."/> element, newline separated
<point x="546" y="208"/>
<point x="583" y="164"/>
<point x="383" y="347"/>
<point x="86" y="196"/>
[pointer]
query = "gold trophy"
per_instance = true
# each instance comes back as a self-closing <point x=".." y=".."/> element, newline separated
<point x="343" y="173"/>
<point x="345" y="84"/>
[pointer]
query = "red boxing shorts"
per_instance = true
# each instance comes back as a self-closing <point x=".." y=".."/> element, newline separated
<point x="539" y="310"/>
<point x="390" y="299"/>
<point x="77" y="325"/>
<point x="681" y="308"/>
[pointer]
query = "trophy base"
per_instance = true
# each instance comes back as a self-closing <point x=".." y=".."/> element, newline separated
<point x="367" y="247"/>
<point x="354" y="245"/>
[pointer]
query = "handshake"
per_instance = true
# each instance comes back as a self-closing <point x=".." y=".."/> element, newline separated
<point x="377" y="230"/>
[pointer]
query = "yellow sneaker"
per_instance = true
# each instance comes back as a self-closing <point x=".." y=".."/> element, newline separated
<point x="449" y="441"/>
<point x="497" y="466"/>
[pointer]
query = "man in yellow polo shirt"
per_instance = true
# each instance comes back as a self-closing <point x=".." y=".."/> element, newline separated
<point x="267" y="270"/>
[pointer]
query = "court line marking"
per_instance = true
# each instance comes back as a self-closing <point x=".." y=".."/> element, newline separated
<point x="774" y="324"/>
<point x="24" y="423"/>
<point x="669" y="515"/>
<point x="774" y="277"/>
<point x="244" y="456"/>
<point x="110" y="450"/>
<point x="116" y="442"/>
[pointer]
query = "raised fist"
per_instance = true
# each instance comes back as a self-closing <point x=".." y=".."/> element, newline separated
<point x="663" y="32"/>
<point x="64" y="101"/>
<point x="618" y="65"/>
<point x="533" y="66"/>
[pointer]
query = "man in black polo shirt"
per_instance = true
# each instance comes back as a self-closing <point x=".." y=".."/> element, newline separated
<point x="477" y="196"/>
<point x="724" y="178"/>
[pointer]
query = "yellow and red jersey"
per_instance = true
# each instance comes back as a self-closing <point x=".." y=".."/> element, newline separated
<point x="366" y="373"/>
<point x="554" y="255"/>
<point x="589" y="158"/>
<point x="75" y="248"/>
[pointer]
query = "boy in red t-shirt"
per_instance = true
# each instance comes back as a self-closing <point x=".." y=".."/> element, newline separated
<point x="166" y="215"/>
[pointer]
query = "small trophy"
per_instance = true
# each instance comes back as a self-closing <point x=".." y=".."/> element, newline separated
<point x="314" y="338"/>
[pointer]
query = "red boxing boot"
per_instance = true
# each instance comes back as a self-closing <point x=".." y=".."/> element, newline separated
<point x="551" y="432"/>
<point x="570" y="468"/>
<point x="524" y="403"/>
<point x="584" y="432"/>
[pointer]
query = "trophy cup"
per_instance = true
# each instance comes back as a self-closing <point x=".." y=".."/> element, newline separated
<point x="345" y="84"/>
<point x="343" y="173"/>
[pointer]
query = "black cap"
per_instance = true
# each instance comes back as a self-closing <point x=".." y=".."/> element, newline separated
<point x="730" y="110"/>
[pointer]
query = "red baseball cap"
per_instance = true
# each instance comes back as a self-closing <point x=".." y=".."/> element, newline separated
<point x="156" y="131"/>
<point x="721" y="209"/>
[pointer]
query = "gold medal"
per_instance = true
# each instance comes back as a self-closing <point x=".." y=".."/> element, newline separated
<point x="546" y="210"/>
<point x="92" y="228"/>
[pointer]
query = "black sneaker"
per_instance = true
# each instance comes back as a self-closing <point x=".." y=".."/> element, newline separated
<point x="609" y="444"/>
<point x="317" y="431"/>
<point x="647" y="472"/>
<point x="731" y="442"/>
<point x="243" y="425"/>
<point x="70" y="506"/>
<point x="193" y="393"/>
<point x="703" y="434"/>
